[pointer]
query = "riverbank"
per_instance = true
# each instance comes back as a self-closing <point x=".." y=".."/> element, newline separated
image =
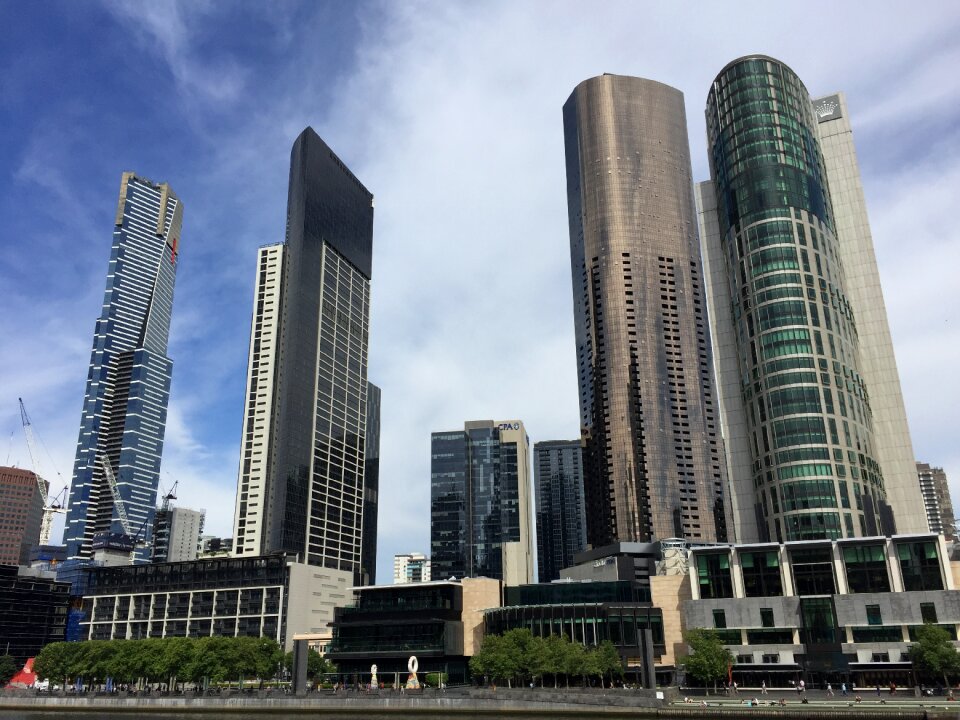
<point x="467" y="703"/>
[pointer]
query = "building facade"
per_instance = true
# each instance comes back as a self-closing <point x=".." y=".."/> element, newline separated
<point x="411" y="568"/>
<point x="893" y="447"/>
<point x="125" y="403"/>
<point x="177" y="534"/>
<point x="796" y="409"/>
<point x="33" y="610"/>
<point x="371" y="487"/>
<point x="653" y="458"/>
<point x="308" y="497"/>
<point x="935" y="491"/>
<point x="823" y="611"/>
<point x="480" y="498"/>
<point x="21" y="513"/>
<point x="272" y="596"/>
<point x="561" y="515"/>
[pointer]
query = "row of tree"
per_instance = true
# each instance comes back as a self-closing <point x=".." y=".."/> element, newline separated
<point x="160" y="660"/>
<point x="519" y="656"/>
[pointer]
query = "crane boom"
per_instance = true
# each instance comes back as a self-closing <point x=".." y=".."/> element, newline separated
<point x="115" y="491"/>
<point x="31" y="448"/>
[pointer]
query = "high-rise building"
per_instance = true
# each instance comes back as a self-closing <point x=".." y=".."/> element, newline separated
<point x="125" y="404"/>
<point x="561" y="519"/>
<point x="653" y="460"/>
<point x="936" y="500"/>
<point x="878" y="364"/>
<point x="795" y="406"/>
<point x="371" y="487"/>
<point x="480" y="502"/>
<point x="301" y="479"/>
<point x="177" y="534"/>
<point x="411" y="568"/>
<point x="21" y="513"/>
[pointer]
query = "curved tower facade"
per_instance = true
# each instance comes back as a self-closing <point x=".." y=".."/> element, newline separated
<point x="652" y="464"/>
<point x="798" y="418"/>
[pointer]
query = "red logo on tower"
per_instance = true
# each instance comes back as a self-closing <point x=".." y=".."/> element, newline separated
<point x="173" y="250"/>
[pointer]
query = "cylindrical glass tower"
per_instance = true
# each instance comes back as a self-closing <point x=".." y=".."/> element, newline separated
<point x="806" y="405"/>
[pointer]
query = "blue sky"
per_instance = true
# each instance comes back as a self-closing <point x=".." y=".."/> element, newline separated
<point x="450" y="114"/>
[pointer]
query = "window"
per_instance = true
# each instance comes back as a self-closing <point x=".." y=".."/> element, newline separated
<point x="813" y="571"/>
<point x="719" y="619"/>
<point x="771" y="658"/>
<point x="713" y="574"/>
<point x="819" y="621"/>
<point x="928" y="612"/>
<point x="766" y="617"/>
<point x="873" y="615"/>
<point x="761" y="574"/>
<point x="920" y="565"/>
<point x="866" y="568"/>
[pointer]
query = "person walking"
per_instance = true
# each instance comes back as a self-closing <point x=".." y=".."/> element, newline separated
<point x="829" y="690"/>
<point x="763" y="688"/>
<point x="843" y="689"/>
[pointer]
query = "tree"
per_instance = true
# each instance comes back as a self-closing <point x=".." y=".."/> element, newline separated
<point x="8" y="668"/>
<point x="574" y="660"/>
<point x="709" y="659"/>
<point x="934" y="653"/>
<point x="537" y="659"/>
<point x="317" y="664"/>
<point x="556" y="650"/>
<point x="607" y="660"/>
<point x="60" y="661"/>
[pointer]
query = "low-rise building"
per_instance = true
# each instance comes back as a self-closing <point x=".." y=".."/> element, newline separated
<point x="439" y="622"/>
<point x="267" y="596"/>
<point x="823" y="610"/>
<point x="33" y="610"/>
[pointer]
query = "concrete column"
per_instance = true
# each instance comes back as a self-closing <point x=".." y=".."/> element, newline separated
<point x="736" y="573"/>
<point x="893" y="567"/>
<point x="838" y="569"/>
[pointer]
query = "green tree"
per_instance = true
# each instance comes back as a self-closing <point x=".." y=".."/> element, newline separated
<point x="607" y="661"/>
<point x="556" y="652"/>
<point x="8" y="668"/>
<point x="574" y="660"/>
<point x="60" y="661"/>
<point x="709" y="659"/>
<point x="317" y="664"/>
<point x="934" y="653"/>
<point x="537" y="660"/>
<point x="176" y="658"/>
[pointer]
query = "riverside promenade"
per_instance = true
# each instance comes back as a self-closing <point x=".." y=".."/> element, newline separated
<point x="471" y="703"/>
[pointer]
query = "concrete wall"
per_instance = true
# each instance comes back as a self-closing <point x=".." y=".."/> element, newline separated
<point x="669" y="593"/>
<point x="479" y="594"/>
<point x="313" y="594"/>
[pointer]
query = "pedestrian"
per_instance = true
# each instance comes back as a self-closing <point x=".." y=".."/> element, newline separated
<point x="878" y="690"/>
<point x="843" y="689"/>
<point x="893" y="688"/>
<point x="829" y="690"/>
<point x="803" y="686"/>
<point x="763" y="688"/>
<point x="736" y="688"/>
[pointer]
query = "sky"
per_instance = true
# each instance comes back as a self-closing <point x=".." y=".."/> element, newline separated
<point x="450" y="113"/>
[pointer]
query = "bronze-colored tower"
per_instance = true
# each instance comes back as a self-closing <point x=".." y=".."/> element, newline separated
<point x="653" y="460"/>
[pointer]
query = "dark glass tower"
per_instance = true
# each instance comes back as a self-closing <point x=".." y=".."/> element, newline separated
<point x="561" y="522"/>
<point x="309" y="498"/>
<point x="479" y="503"/>
<point x="795" y="403"/>
<point x="653" y="465"/>
<point x="125" y="404"/>
<point x="371" y="489"/>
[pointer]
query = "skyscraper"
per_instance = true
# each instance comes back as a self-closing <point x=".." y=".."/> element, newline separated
<point x="480" y="503"/>
<point x="21" y="513"/>
<point x="125" y="404"/>
<point x="653" y="465"/>
<point x="176" y="534"/>
<point x="301" y="480"/>
<point x="936" y="499"/>
<point x="561" y="522"/>
<point x="796" y="409"/>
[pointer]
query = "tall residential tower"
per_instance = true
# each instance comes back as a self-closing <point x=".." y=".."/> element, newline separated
<point x="796" y="406"/>
<point x="561" y="519"/>
<point x="653" y="462"/>
<point x="301" y="480"/>
<point x="125" y="404"/>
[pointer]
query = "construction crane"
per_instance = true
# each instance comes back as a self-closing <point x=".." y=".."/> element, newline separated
<point x="172" y="495"/>
<point x="51" y="506"/>
<point x="131" y="539"/>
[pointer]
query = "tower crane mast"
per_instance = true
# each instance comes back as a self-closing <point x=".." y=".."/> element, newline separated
<point x="53" y="505"/>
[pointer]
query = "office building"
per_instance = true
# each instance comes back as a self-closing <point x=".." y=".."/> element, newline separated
<point x="211" y="546"/>
<point x="796" y="409"/>
<point x="824" y="611"/>
<point x="411" y="568"/>
<point x="371" y="487"/>
<point x="893" y="448"/>
<point x="561" y="519"/>
<point x="21" y="513"/>
<point x="33" y="610"/>
<point x="935" y="491"/>
<point x="301" y="480"/>
<point x="480" y="498"/>
<point x="653" y="459"/>
<point x="125" y="403"/>
<point x="274" y="596"/>
<point x="177" y="534"/>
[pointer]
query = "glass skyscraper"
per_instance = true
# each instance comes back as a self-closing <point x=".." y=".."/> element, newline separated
<point x="796" y="409"/>
<point x="561" y="519"/>
<point x="128" y="386"/>
<point x="480" y="503"/>
<point x="301" y="481"/>
<point x="653" y="461"/>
